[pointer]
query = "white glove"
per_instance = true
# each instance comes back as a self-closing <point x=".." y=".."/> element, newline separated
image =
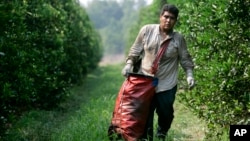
<point x="126" y="69"/>
<point x="190" y="81"/>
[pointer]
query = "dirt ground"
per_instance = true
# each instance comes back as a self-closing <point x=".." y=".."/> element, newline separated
<point x="112" y="59"/>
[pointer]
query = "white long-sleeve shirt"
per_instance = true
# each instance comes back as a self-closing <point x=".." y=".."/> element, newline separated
<point x="148" y="42"/>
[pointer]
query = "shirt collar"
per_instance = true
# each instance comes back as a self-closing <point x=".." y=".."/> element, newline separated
<point x="171" y="33"/>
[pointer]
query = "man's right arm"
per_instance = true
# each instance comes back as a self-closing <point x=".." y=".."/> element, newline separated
<point x="135" y="52"/>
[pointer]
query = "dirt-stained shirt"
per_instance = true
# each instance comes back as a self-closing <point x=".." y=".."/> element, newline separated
<point x="147" y="44"/>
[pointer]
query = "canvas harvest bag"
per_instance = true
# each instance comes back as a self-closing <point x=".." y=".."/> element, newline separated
<point x="133" y="102"/>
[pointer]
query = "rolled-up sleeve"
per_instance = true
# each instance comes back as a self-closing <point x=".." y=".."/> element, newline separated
<point x="137" y="47"/>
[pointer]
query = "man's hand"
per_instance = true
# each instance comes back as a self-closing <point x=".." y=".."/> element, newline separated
<point x="190" y="81"/>
<point x="126" y="69"/>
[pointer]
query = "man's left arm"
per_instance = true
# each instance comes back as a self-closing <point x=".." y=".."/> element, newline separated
<point x="186" y="62"/>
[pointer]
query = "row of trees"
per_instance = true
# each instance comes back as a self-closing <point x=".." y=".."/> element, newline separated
<point x="218" y="35"/>
<point x="49" y="46"/>
<point x="218" y="32"/>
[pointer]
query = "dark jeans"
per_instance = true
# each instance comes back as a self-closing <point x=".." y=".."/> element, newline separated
<point x="163" y="104"/>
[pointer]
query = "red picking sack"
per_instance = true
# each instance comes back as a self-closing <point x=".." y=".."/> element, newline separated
<point x="131" y="108"/>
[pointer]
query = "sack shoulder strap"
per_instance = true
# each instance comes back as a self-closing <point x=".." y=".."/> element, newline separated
<point x="156" y="62"/>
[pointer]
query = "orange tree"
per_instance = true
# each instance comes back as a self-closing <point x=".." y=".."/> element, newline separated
<point x="49" y="46"/>
<point x="218" y="34"/>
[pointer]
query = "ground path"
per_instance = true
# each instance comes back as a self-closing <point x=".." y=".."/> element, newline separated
<point x="112" y="59"/>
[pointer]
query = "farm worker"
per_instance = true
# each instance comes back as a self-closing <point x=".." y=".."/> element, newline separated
<point x="147" y="43"/>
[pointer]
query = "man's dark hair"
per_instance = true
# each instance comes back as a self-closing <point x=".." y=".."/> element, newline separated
<point x="171" y="9"/>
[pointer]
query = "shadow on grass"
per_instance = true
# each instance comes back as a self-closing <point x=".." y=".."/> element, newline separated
<point x="39" y="125"/>
<point x="177" y="135"/>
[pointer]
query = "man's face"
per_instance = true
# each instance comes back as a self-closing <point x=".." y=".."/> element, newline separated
<point x="167" y="21"/>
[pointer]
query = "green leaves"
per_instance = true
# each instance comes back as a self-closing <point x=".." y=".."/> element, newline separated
<point x="219" y="42"/>
<point x="49" y="46"/>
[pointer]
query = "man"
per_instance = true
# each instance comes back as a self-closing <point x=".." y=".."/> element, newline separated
<point x="147" y="44"/>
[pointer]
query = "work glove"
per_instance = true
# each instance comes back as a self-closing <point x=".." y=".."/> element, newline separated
<point x="126" y="69"/>
<point x="190" y="81"/>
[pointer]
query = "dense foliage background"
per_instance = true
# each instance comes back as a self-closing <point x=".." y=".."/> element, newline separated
<point x="218" y="34"/>
<point x="49" y="46"/>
